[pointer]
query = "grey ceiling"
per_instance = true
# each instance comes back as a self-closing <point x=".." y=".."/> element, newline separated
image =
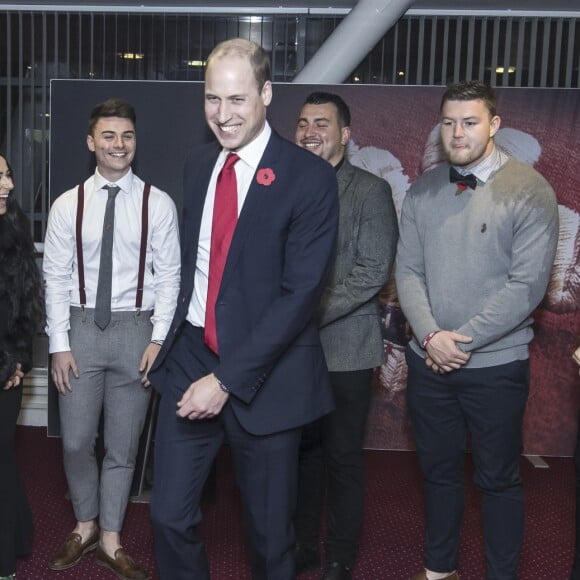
<point x="339" y="5"/>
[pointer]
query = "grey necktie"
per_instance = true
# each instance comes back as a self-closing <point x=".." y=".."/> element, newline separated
<point x="103" y="301"/>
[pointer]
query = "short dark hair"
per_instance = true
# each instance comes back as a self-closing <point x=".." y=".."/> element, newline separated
<point x="321" y="98"/>
<point x="112" y="108"/>
<point x="471" y="91"/>
<point x="258" y="57"/>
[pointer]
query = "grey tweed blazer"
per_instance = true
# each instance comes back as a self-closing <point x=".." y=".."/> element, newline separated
<point x="367" y="241"/>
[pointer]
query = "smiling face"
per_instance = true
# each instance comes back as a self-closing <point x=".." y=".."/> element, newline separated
<point x="320" y="132"/>
<point x="6" y="184"/>
<point x="113" y="142"/>
<point x="467" y="130"/>
<point x="235" y="109"/>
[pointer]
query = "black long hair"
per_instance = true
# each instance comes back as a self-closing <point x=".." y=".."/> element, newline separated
<point x="20" y="277"/>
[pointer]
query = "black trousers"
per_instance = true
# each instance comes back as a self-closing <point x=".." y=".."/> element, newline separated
<point x="490" y="403"/>
<point x="16" y="526"/>
<point x="331" y="464"/>
<point x="575" y="575"/>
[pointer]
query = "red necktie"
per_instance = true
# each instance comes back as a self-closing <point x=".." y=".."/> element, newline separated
<point x="225" y="217"/>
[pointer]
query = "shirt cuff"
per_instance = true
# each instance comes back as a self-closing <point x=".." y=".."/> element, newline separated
<point x="160" y="331"/>
<point x="58" y="342"/>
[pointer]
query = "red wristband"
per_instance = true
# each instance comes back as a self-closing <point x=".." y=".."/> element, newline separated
<point x="428" y="338"/>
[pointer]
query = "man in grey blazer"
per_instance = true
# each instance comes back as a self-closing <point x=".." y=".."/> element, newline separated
<point x="331" y="459"/>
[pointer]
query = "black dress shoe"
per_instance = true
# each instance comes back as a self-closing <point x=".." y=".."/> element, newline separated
<point x="306" y="557"/>
<point x="337" y="571"/>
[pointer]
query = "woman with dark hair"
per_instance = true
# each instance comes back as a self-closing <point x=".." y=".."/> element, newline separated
<point x="20" y="317"/>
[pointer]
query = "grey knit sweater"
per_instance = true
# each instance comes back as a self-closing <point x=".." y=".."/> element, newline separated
<point x="479" y="262"/>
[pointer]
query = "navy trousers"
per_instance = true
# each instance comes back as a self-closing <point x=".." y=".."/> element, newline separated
<point x="266" y="472"/>
<point x="489" y="403"/>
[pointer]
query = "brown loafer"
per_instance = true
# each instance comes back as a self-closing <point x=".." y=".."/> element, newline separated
<point x="73" y="549"/>
<point x="423" y="576"/>
<point x="122" y="565"/>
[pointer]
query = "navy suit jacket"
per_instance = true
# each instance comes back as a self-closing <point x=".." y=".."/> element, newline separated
<point x="271" y="358"/>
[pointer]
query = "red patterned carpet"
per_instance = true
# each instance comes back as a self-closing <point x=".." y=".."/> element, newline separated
<point x="393" y="531"/>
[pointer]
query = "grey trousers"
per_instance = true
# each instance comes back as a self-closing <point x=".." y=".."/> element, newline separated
<point x="109" y="381"/>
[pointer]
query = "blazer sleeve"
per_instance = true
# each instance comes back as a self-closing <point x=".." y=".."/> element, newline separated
<point x="374" y="254"/>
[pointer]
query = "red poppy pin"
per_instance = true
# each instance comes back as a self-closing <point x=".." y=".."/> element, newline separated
<point x="265" y="176"/>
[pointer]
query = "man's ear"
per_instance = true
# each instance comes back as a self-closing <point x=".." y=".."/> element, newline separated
<point x="494" y="124"/>
<point x="266" y="93"/>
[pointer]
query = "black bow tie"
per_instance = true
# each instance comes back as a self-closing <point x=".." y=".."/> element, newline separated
<point x="469" y="180"/>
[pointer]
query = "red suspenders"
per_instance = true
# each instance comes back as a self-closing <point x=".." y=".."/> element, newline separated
<point x="80" y="261"/>
<point x="142" y="251"/>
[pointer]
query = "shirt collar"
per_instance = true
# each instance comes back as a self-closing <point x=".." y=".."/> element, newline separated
<point x="251" y="153"/>
<point x="487" y="166"/>
<point x="124" y="183"/>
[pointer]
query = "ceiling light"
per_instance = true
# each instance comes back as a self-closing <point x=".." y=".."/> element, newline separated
<point x="501" y="70"/>
<point x="132" y="55"/>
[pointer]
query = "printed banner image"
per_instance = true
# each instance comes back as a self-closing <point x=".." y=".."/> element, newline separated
<point x="395" y="135"/>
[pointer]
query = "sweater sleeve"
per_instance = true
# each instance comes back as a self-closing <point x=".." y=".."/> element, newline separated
<point x="410" y="273"/>
<point x="535" y="238"/>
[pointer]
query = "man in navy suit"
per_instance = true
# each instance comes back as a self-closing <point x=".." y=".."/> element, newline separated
<point x="262" y="375"/>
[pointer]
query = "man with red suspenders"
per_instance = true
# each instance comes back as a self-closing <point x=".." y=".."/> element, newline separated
<point x="111" y="267"/>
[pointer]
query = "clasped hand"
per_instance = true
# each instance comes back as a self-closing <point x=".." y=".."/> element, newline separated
<point x="443" y="354"/>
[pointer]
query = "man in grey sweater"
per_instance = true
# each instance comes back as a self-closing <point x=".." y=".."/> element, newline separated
<point x="477" y="243"/>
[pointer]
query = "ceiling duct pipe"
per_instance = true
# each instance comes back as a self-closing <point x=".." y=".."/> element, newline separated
<point x="351" y="41"/>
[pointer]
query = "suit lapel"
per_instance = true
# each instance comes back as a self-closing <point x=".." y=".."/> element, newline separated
<point x="344" y="177"/>
<point x="252" y="206"/>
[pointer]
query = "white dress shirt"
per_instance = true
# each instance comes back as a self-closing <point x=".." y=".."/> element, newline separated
<point x="250" y="156"/>
<point x="162" y="264"/>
